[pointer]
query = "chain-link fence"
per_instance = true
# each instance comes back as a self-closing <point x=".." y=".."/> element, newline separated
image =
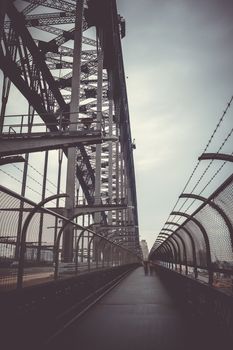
<point x="206" y="252"/>
<point x="31" y="245"/>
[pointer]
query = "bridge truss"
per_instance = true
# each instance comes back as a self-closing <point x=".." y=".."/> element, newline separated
<point x="65" y="122"/>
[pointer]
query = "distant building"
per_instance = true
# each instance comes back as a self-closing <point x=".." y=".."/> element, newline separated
<point x="145" y="250"/>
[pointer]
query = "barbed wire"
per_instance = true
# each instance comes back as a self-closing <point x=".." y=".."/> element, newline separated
<point x="208" y="166"/>
<point x="205" y="171"/>
<point x="210" y="140"/>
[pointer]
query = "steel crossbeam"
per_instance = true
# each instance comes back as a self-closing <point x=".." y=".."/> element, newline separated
<point x="29" y="142"/>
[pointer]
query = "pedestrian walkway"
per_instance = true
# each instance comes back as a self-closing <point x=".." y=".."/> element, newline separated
<point x="138" y="314"/>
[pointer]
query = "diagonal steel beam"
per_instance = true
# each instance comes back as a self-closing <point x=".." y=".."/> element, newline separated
<point x="21" y="29"/>
<point x="11" y="70"/>
<point x="55" y="4"/>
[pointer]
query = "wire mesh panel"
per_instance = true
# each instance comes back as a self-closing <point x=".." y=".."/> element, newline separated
<point x="181" y="249"/>
<point x="218" y="234"/>
<point x="225" y="201"/>
<point x="39" y="254"/>
<point x="188" y="246"/>
<point x="12" y="216"/>
<point x="10" y="210"/>
<point x="172" y="251"/>
<point x="208" y="241"/>
<point x="199" y="243"/>
<point x="183" y="257"/>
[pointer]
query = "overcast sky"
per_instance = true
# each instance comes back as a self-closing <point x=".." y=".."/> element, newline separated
<point x="178" y="57"/>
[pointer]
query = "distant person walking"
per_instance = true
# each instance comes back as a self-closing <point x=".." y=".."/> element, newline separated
<point x="146" y="267"/>
<point x="152" y="268"/>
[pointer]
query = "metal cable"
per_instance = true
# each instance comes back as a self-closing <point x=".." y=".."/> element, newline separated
<point x="30" y="177"/>
<point x="14" y="178"/>
<point x="210" y="163"/>
<point x="27" y="186"/>
<point x="220" y="148"/>
<point x="205" y="171"/>
<point x="31" y="166"/>
<point x="210" y="140"/>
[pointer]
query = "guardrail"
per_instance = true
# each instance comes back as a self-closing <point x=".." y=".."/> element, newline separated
<point x="31" y="247"/>
<point x="212" y="306"/>
<point x="202" y="246"/>
<point x="18" y="124"/>
<point x="35" y="315"/>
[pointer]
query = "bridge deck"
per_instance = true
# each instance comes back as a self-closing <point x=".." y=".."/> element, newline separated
<point x="138" y="314"/>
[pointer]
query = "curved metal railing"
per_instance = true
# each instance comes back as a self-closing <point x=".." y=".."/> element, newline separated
<point x="202" y="246"/>
<point x="31" y="253"/>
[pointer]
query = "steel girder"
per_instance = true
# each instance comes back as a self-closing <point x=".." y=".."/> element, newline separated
<point x="55" y="4"/>
<point x="33" y="70"/>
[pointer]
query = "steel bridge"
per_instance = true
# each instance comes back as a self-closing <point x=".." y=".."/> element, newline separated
<point x="69" y="231"/>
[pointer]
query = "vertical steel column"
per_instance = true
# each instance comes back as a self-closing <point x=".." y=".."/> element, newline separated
<point x="120" y="183"/>
<point x="42" y="198"/>
<point x="117" y="170"/>
<point x="89" y="251"/>
<point x="117" y="181"/>
<point x="123" y="185"/>
<point x="24" y="184"/>
<point x="60" y="157"/>
<point x="5" y="95"/>
<point x="130" y="209"/>
<point x="99" y="120"/>
<point x="110" y="145"/>
<point x="67" y="249"/>
<point x="2" y="15"/>
<point x="117" y="118"/>
<point x="122" y="192"/>
<point x="126" y="196"/>
<point x="31" y="113"/>
<point x="82" y="247"/>
<point x="13" y="53"/>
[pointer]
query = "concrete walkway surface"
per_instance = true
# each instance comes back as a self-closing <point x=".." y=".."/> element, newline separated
<point x="138" y="314"/>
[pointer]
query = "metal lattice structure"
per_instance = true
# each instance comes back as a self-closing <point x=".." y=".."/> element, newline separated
<point x="202" y="245"/>
<point x="63" y="61"/>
